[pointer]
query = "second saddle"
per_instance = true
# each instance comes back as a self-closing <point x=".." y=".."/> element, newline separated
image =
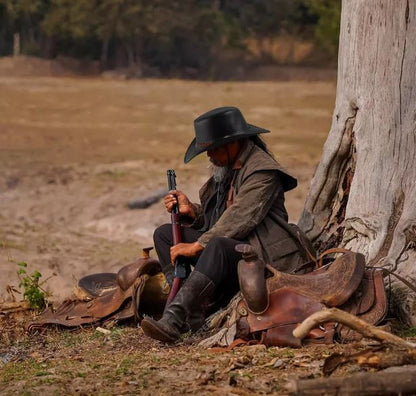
<point x="272" y="307"/>
<point x="137" y="288"/>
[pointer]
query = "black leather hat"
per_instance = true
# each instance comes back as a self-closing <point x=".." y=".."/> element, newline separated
<point x="218" y="127"/>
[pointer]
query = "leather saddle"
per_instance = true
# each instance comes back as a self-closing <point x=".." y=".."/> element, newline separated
<point x="273" y="306"/>
<point x="137" y="287"/>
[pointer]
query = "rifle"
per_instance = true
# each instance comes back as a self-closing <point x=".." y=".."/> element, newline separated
<point x="180" y="267"/>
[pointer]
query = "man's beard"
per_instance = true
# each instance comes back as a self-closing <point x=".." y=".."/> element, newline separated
<point x="219" y="173"/>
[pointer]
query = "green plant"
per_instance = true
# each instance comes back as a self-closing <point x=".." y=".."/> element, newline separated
<point x="124" y="368"/>
<point x="407" y="332"/>
<point x="327" y="27"/>
<point x="155" y="359"/>
<point x="288" y="353"/>
<point x="32" y="286"/>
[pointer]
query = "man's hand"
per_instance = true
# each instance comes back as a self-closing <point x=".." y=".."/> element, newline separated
<point x="185" y="205"/>
<point x="185" y="250"/>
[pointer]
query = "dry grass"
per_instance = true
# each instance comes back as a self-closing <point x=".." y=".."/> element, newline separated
<point x="60" y="121"/>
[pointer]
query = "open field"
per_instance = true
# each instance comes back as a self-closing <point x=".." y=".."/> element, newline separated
<point x="73" y="151"/>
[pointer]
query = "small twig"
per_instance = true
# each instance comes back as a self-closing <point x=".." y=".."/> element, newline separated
<point x="103" y="331"/>
<point x="339" y="316"/>
<point x="14" y="306"/>
<point x="49" y="277"/>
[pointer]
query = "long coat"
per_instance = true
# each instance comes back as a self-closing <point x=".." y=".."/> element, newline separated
<point x="255" y="210"/>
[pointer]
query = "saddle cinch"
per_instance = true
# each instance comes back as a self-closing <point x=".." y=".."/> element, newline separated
<point x="138" y="288"/>
<point x="272" y="307"/>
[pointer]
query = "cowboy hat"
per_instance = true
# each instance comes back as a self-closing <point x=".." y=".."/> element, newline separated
<point x="218" y="127"/>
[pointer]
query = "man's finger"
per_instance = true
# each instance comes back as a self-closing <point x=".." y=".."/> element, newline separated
<point x="172" y="256"/>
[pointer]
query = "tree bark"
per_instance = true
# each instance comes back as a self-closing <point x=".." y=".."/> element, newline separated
<point x="363" y="194"/>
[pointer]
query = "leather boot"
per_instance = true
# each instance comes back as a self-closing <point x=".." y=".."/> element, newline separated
<point x="192" y="297"/>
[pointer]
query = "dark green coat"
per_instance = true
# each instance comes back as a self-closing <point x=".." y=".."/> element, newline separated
<point x="256" y="211"/>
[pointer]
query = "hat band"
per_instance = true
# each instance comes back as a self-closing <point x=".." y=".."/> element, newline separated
<point x="203" y="145"/>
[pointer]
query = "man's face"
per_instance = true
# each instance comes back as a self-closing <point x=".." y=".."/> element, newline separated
<point x="219" y="156"/>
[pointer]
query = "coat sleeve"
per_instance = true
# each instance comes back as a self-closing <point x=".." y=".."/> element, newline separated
<point x="196" y="223"/>
<point x="250" y="207"/>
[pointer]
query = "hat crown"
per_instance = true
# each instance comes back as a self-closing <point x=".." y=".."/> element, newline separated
<point x="217" y="124"/>
<point x="218" y="127"/>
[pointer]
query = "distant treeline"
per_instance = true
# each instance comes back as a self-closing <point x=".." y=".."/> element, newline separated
<point x="165" y="34"/>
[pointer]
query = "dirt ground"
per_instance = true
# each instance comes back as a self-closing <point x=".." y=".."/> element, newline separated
<point x="73" y="151"/>
<point x="125" y="362"/>
<point x="88" y="362"/>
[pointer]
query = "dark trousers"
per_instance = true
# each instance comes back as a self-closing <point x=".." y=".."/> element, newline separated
<point x="218" y="261"/>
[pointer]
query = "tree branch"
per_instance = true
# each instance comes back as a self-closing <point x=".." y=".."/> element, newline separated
<point x="339" y="316"/>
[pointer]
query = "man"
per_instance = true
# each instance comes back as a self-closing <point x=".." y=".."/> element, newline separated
<point x="243" y="201"/>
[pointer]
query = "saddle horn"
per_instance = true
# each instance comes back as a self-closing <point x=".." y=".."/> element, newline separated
<point x="251" y="276"/>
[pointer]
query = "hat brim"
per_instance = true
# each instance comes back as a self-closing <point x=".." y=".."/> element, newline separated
<point x="194" y="150"/>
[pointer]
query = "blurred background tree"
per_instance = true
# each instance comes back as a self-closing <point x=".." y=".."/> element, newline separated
<point x="20" y="29"/>
<point x="161" y="34"/>
<point x="328" y="14"/>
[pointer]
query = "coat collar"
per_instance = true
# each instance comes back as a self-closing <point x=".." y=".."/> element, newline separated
<point x="244" y="154"/>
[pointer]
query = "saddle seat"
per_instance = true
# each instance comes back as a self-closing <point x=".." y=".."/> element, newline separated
<point x="98" y="285"/>
<point x="332" y="284"/>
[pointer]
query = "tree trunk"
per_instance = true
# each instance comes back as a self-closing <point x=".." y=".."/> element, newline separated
<point x="16" y="44"/>
<point x="130" y="55"/>
<point x="104" y="53"/>
<point x="363" y="194"/>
